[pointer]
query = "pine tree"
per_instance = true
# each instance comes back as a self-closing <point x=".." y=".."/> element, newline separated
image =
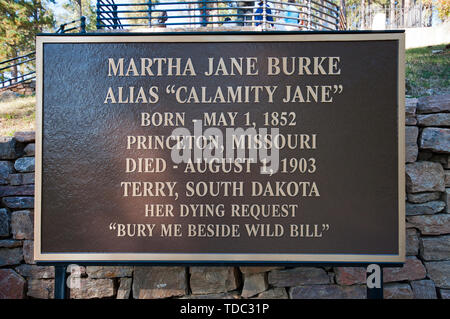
<point x="21" y="21"/>
<point x="73" y="12"/>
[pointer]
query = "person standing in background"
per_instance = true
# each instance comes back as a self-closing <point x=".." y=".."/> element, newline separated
<point x="260" y="12"/>
<point x="292" y="16"/>
<point x="303" y="18"/>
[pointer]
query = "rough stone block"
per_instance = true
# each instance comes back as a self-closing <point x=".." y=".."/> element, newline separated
<point x="28" y="178"/>
<point x="159" y="282"/>
<point x="10" y="149"/>
<point x="18" y="202"/>
<point x="424" y="177"/>
<point x="10" y="243"/>
<point x="22" y="224"/>
<point x="398" y="291"/>
<point x="437" y="119"/>
<point x="411" y="105"/>
<point x="444" y="293"/>
<point x="41" y="288"/>
<point x="10" y="256"/>
<point x="25" y="137"/>
<point x="446" y="198"/>
<point x="412" y="242"/>
<point x="24" y="164"/>
<point x="16" y="190"/>
<point x="30" y="149"/>
<point x="424" y="289"/>
<point x="328" y="292"/>
<point x="12" y="285"/>
<point x="427" y="208"/>
<point x="410" y="120"/>
<point x="350" y="275"/>
<point x="28" y="254"/>
<point x="275" y="293"/>
<point x="5" y="223"/>
<point x="438" y="224"/>
<point x="447" y="178"/>
<point x="420" y="198"/>
<point x="413" y="269"/>
<point x="93" y="289"/>
<point x="15" y="179"/>
<point x="211" y="280"/>
<point x="435" y="248"/>
<point x="435" y="139"/>
<point x="434" y="104"/>
<point x="124" y="288"/>
<point x="22" y="179"/>
<point x="439" y="272"/>
<point x="6" y="168"/>
<point x="95" y="272"/>
<point x="298" y="276"/>
<point x="254" y="284"/>
<point x="410" y="111"/>
<point x="412" y="149"/>
<point x="36" y="272"/>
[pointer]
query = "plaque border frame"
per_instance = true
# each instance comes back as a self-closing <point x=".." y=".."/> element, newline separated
<point x="220" y="258"/>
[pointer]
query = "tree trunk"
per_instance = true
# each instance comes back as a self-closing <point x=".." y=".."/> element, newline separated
<point x="363" y="14"/>
<point x="14" y="70"/>
<point x="402" y="16"/>
<point x="344" y="14"/>
<point x="392" y="14"/>
<point x="406" y="13"/>
<point x="343" y="9"/>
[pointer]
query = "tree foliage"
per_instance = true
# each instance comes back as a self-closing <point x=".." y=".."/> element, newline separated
<point x="21" y="21"/>
<point x="72" y="12"/>
<point x="443" y="7"/>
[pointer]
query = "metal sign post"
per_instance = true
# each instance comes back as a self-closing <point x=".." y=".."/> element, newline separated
<point x="60" y="282"/>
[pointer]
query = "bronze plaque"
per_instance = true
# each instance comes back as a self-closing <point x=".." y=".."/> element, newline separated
<point x="220" y="148"/>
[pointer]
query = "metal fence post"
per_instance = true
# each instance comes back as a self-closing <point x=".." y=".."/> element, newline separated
<point x="309" y="15"/>
<point x="204" y="14"/>
<point x="115" y="18"/>
<point x="99" y="15"/>
<point x="264" y="24"/>
<point x="60" y="282"/>
<point x="149" y="13"/>
<point x="83" y="24"/>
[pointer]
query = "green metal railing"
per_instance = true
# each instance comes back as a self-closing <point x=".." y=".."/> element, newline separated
<point x="21" y="69"/>
<point x="265" y="14"/>
<point x="75" y="25"/>
<point x="10" y="73"/>
<point x="268" y="14"/>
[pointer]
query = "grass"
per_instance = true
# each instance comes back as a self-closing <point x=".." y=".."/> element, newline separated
<point x="427" y="73"/>
<point x="17" y="115"/>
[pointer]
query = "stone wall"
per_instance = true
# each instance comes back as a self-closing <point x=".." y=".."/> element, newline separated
<point x="24" y="88"/>
<point x="426" y="273"/>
